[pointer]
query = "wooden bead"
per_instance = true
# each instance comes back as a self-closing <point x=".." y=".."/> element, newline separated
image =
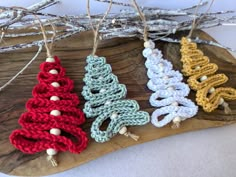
<point x="175" y="103"/>
<point x="51" y="152"/>
<point x="55" y="113"/>
<point x="123" y="130"/>
<point x="102" y="90"/>
<point x="107" y="102"/>
<point x="53" y="71"/>
<point x="211" y="90"/>
<point x="50" y="59"/>
<point x="114" y="115"/>
<point x="55" y="84"/>
<point x="198" y="67"/>
<point x="177" y="119"/>
<point x="55" y="131"/>
<point x="54" y="98"/>
<point x="170" y="88"/>
<point x="165" y="77"/>
<point x="221" y="101"/>
<point x="161" y="67"/>
<point x="149" y="44"/>
<point x="203" y="78"/>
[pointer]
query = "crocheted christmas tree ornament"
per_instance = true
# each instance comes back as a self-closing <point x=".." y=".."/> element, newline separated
<point x="203" y="78"/>
<point x="52" y="115"/>
<point x="170" y="91"/>
<point x="105" y="101"/>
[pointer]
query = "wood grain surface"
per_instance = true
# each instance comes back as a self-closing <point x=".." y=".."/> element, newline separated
<point x="127" y="62"/>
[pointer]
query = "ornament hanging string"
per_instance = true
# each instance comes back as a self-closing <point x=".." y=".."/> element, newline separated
<point x="47" y="47"/>
<point x="143" y="18"/>
<point x="145" y="26"/>
<point x="96" y="29"/>
<point x="194" y="23"/>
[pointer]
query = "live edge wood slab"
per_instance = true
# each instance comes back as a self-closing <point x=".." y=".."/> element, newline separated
<point x="127" y="62"/>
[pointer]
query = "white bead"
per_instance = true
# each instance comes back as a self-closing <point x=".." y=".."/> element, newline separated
<point x="175" y="103"/>
<point x="107" y="102"/>
<point x="170" y="88"/>
<point x="114" y="115"/>
<point x="221" y="101"/>
<point x="53" y="71"/>
<point x="123" y="130"/>
<point x="211" y="90"/>
<point x="149" y="44"/>
<point x="198" y="67"/>
<point x="54" y="98"/>
<point x="102" y="90"/>
<point x="55" y="113"/>
<point x="55" y="131"/>
<point x="203" y="78"/>
<point x="51" y="151"/>
<point x="55" y="84"/>
<point x="177" y="120"/>
<point x="51" y="60"/>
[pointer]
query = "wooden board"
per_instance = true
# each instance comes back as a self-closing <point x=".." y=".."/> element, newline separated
<point x="125" y="57"/>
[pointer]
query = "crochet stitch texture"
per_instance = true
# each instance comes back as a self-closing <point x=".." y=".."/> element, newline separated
<point x="203" y="78"/>
<point x="170" y="91"/>
<point x="105" y="101"/>
<point x="53" y="107"/>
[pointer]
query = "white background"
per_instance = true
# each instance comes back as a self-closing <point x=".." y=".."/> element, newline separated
<point x="206" y="153"/>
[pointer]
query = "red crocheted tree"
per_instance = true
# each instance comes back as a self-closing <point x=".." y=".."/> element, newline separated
<point x="52" y="112"/>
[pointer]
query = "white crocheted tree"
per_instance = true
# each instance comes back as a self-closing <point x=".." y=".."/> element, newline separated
<point x="170" y="91"/>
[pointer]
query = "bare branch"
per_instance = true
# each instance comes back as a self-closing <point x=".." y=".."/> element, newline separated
<point x="22" y="70"/>
<point x="161" y="22"/>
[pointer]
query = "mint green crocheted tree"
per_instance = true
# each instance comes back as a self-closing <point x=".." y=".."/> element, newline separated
<point x="105" y="100"/>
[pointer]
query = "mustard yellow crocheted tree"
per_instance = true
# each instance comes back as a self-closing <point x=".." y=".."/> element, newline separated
<point x="203" y="78"/>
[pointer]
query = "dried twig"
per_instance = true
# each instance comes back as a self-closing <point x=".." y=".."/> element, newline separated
<point x="23" y="69"/>
<point x="160" y="22"/>
<point x="198" y="41"/>
<point x="36" y="43"/>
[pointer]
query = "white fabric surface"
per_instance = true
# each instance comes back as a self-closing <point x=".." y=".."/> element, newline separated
<point x="205" y="153"/>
